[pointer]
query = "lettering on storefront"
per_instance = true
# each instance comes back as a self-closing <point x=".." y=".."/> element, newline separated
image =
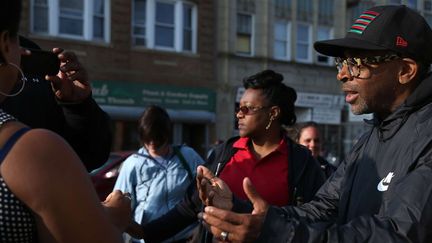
<point x="142" y="94"/>
<point x="120" y="101"/>
<point x="319" y="100"/>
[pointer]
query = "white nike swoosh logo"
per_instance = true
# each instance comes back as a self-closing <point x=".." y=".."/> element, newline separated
<point x="382" y="186"/>
<point x="385" y="182"/>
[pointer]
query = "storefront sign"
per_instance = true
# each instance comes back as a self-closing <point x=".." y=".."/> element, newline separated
<point x="326" y="116"/>
<point x="358" y="118"/>
<point x="118" y="93"/>
<point x="319" y="100"/>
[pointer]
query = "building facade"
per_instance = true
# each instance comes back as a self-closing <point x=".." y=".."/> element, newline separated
<point x="254" y="35"/>
<point x="190" y="57"/>
<point x="138" y="52"/>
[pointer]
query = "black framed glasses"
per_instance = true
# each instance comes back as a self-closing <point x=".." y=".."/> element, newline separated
<point x="354" y="64"/>
<point x="248" y="109"/>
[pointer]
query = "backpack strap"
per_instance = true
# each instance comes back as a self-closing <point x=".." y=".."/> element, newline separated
<point x="183" y="161"/>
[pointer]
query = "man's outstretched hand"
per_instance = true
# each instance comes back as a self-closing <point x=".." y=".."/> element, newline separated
<point x="237" y="227"/>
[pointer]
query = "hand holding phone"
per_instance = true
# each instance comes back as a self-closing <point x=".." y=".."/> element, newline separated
<point x="40" y="63"/>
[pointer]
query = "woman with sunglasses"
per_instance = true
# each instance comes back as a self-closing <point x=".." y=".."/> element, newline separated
<point x="283" y="172"/>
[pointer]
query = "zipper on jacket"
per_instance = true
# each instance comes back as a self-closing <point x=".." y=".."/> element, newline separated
<point x="218" y="168"/>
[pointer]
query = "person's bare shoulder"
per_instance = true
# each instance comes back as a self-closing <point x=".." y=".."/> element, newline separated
<point x="40" y="163"/>
<point x="43" y="172"/>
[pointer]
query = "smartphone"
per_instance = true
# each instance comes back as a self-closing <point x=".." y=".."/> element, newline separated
<point x="40" y="63"/>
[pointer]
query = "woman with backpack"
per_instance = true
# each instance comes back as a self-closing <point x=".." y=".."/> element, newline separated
<point x="159" y="173"/>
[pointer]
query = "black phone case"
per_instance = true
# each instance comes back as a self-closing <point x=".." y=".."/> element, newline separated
<point x="40" y="63"/>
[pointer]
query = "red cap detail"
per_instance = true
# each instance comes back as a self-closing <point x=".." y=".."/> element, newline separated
<point x="401" y="42"/>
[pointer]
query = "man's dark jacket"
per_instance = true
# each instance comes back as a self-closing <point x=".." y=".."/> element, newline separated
<point x="382" y="192"/>
<point x="84" y="125"/>
<point x="305" y="177"/>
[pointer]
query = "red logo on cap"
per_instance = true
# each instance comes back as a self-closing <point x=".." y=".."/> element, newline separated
<point x="401" y="42"/>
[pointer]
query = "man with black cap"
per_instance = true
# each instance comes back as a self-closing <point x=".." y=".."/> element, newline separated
<point x="382" y="192"/>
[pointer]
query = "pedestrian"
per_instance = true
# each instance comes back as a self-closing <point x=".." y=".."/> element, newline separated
<point x="382" y="192"/>
<point x="285" y="173"/>
<point x="309" y="136"/>
<point x="159" y="173"/>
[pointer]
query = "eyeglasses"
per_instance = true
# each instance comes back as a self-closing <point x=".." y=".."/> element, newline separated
<point x="248" y="109"/>
<point x="354" y="63"/>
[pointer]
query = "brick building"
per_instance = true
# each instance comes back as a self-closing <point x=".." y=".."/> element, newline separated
<point x="138" y="52"/>
<point x="190" y="57"/>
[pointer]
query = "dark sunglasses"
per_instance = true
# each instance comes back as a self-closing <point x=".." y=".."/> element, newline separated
<point x="248" y="109"/>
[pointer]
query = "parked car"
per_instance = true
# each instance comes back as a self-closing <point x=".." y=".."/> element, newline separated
<point x="104" y="177"/>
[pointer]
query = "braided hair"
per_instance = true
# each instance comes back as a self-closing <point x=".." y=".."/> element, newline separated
<point x="276" y="92"/>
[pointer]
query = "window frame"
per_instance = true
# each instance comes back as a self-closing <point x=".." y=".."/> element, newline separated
<point x="330" y="60"/>
<point x="134" y="24"/>
<point x="150" y="26"/>
<point x="252" y="34"/>
<point x="288" y="27"/>
<point x="173" y="26"/>
<point x="32" y="10"/>
<point x="82" y="18"/>
<point x="88" y="14"/>
<point x="308" y="43"/>
<point x="99" y="15"/>
<point x="193" y="27"/>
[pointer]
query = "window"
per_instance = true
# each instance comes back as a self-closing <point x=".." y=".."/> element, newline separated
<point x="139" y="22"/>
<point x="165" y="25"/>
<point x="71" y="17"/>
<point x="78" y="19"/>
<point x="40" y="9"/>
<point x="244" y="34"/>
<point x="187" y="27"/>
<point x="324" y="33"/>
<point x="282" y="37"/>
<point x="324" y="29"/>
<point x="326" y="12"/>
<point x="304" y="43"/>
<point x="98" y="19"/>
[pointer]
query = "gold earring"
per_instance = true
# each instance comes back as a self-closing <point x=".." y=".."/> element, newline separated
<point x="269" y="124"/>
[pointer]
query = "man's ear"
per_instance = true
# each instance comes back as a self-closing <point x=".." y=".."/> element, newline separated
<point x="408" y="71"/>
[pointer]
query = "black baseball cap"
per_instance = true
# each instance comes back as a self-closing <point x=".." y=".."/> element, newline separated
<point x="394" y="28"/>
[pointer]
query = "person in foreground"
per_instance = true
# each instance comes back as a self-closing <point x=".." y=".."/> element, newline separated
<point x="63" y="103"/>
<point x="382" y="192"/>
<point x="42" y="200"/>
<point x="285" y="173"/>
